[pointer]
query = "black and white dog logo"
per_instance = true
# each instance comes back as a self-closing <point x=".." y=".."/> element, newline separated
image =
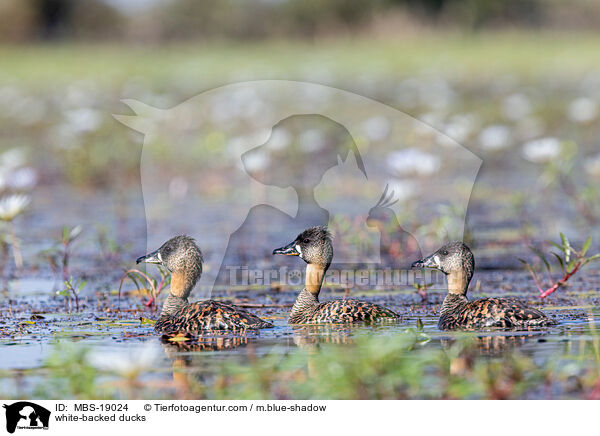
<point x="26" y="415"/>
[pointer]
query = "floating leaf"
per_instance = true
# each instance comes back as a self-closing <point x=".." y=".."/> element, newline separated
<point x="179" y="338"/>
<point x="147" y="321"/>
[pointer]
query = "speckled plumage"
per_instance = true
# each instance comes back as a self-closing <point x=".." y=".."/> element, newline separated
<point x="457" y="313"/>
<point x="315" y="248"/>
<point x="342" y="312"/>
<point x="456" y="260"/>
<point x="183" y="258"/>
<point x="198" y="317"/>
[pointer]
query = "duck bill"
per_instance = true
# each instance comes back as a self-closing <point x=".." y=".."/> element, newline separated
<point x="429" y="262"/>
<point x="288" y="250"/>
<point x="153" y="257"/>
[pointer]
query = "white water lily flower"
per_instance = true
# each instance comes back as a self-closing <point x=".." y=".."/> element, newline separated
<point x="23" y="179"/>
<point x="582" y="110"/>
<point x="12" y="206"/>
<point x="402" y="189"/>
<point x="542" y="150"/>
<point x="12" y="159"/>
<point x="129" y="363"/>
<point x="592" y="167"/>
<point x="83" y="120"/>
<point x="413" y="161"/>
<point x="494" y="138"/>
<point x="516" y="106"/>
<point x="377" y="128"/>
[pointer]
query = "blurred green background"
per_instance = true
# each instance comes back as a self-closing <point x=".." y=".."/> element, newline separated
<point x="494" y="76"/>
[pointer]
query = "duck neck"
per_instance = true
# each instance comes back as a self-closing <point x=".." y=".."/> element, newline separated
<point x="181" y="287"/>
<point x="314" y="278"/>
<point x="458" y="282"/>
<point x="305" y="305"/>
<point x="309" y="297"/>
<point x="172" y="304"/>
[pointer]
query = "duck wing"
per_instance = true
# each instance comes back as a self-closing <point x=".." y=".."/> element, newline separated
<point x="503" y="312"/>
<point x="209" y="315"/>
<point x="349" y="311"/>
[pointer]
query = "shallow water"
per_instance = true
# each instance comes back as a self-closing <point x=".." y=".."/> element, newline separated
<point x="121" y="342"/>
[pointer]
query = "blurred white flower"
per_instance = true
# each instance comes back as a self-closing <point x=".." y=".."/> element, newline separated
<point x="312" y="140"/>
<point x="279" y="139"/>
<point x="126" y="363"/>
<point x="516" y="106"/>
<point x="459" y="127"/>
<point x="494" y="137"/>
<point x="256" y="160"/>
<point x="592" y="166"/>
<point x="402" y="189"/>
<point x="541" y="150"/>
<point x="12" y="159"/>
<point x="376" y="128"/>
<point x="12" y="206"/>
<point x="429" y="122"/>
<point x="413" y="161"/>
<point x="83" y="120"/>
<point x="23" y="179"/>
<point x="582" y="110"/>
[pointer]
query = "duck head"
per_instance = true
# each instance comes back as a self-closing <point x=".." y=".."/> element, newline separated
<point x="183" y="258"/>
<point x="312" y="246"/>
<point x="315" y="248"/>
<point x="456" y="261"/>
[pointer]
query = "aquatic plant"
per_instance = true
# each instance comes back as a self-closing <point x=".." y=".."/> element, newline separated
<point x="559" y="166"/>
<point x="155" y="286"/>
<point x="59" y="254"/>
<point x="421" y="289"/>
<point x="72" y="288"/>
<point x="11" y="207"/>
<point x="569" y="259"/>
<point x="109" y="246"/>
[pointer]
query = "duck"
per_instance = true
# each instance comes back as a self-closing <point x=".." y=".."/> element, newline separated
<point x="314" y="247"/>
<point x="457" y="262"/>
<point x="182" y="257"/>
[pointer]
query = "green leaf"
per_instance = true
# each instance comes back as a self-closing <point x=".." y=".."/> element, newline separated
<point x="560" y="261"/>
<point x="586" y="246"/>
<point x="65" y="234"/>
<point x="594" y="257"/>
<point x="571" y="264"/>
<point x="541" y="256"/>
<point x="560" y="247"/>
<point x="419" y="325"/>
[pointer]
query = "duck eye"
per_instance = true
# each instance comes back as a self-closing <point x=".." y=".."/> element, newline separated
<point x="445" y="252"/>
<point x="306" y="240"/>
